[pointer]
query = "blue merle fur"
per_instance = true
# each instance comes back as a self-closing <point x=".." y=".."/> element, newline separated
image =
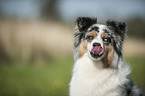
<point x="82" y="23"/>
<point x="118" y="34"/>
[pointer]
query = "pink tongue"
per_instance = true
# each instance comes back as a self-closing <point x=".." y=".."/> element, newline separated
<point x="98" y="50"/>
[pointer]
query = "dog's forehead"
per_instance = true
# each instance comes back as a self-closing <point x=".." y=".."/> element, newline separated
<point x="99" y="28"/>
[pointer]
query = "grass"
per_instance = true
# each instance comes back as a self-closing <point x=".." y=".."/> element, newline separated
<point x="50" y="79"/>
<point x="138" y="70"/>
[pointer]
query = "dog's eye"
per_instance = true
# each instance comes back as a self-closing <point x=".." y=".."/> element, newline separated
<point x="90" y="38"/>
<point x="106" y="40"/>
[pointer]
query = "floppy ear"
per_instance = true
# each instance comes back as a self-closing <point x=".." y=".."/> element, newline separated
<point x="82" y="24"/>
<point x="118" y="27"/>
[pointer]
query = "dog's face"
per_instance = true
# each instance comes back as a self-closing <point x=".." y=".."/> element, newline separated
<point x="97" y="40"/>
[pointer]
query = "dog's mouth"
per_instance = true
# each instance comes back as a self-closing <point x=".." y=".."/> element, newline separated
<point x="97" y="51"/>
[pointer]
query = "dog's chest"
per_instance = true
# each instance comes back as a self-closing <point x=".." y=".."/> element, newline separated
<point x="90" y="80"/>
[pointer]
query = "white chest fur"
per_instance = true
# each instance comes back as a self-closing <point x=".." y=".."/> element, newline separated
<point x="90" y="79"/>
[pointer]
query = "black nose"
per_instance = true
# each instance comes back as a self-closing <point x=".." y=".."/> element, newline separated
<point x="96" y="44"/>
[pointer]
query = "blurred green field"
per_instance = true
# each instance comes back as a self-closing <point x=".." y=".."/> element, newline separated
<point x="138" y="69"/>
<point x="51" y="79"/>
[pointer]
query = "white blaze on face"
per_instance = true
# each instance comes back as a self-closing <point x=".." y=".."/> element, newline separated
<point x="98" y="38"/>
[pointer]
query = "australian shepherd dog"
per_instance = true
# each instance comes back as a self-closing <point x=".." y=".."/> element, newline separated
<point x="100" y="69"/>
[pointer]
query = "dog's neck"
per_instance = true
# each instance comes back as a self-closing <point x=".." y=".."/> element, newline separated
<point x="117" y="64"/>
<point x="86" y="70"/>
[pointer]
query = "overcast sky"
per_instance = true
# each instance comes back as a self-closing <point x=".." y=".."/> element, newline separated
<point x="70" y="9"/>
<point x="103" y="9"/>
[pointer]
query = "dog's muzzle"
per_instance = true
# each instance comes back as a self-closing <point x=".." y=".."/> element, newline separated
<point x="97" y="50"/>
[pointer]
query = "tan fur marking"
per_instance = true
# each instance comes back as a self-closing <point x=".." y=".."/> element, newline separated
<point x="82" y="48"/>
<point x="108" y="56"/>
<point x="104" y="35"/>
<point x="93" y="33"/>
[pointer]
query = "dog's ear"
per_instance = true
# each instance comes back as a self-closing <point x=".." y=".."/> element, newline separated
<point x="83" y="23"/>
<point x="118" y="27"/>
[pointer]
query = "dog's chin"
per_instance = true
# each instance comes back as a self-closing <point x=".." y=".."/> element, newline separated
<point x="95" y="57"/>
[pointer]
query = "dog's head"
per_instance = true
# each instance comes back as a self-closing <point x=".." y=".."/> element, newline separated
<point x="97" y="40"/>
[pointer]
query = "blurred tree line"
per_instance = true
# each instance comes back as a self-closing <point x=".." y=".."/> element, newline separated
<point x="136" y="27"/>
<point x="49" y="9"/>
